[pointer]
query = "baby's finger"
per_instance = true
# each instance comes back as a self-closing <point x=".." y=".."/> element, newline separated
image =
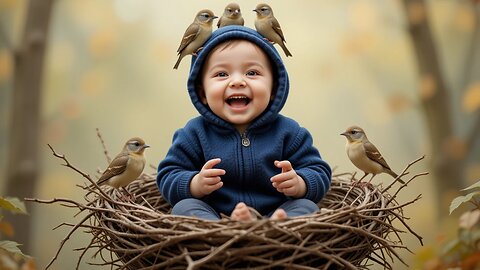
<point x="285" y="184"/>
<point x="283" y="176"/>
<point x="285" y="165"/>
<point x="212" y="180"/>
<point x="211" y="163"/>
<point x="211" y="188"/>
<point x="291" y="191"/>
<point x="213" y="172"/>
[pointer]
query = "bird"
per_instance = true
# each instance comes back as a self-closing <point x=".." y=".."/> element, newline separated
<point x="231" y="16"/>
<point x="126" y="166"/>
<point x="364" y="155"/>
<point x="196" y="34"/>
<point x="268" y="26"/>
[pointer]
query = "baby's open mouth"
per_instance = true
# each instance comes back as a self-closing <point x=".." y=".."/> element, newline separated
<point x="235" y="101"/>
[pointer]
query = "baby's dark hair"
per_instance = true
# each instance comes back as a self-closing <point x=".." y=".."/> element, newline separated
<point x="228" y="44"/>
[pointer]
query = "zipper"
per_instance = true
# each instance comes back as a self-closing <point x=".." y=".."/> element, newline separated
<point x="245" y="140"/>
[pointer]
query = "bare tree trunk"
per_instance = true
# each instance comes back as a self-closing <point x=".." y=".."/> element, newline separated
<point x="447" y="170"/>
<point x="23" y="162"/>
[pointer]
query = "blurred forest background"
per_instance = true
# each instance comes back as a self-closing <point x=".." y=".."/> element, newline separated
<point x="408" y="72"/>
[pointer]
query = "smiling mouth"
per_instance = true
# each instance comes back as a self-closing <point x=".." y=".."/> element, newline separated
<point x="237" y="101"/>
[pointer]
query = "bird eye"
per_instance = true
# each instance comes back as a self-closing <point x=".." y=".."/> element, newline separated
<point x="137" y="144"/>
<point x="353" y="132"/>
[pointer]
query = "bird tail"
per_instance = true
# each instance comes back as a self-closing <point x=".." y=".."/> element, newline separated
<point x="287" y="52"/>
<point x="394" y="175"/>
<point x="178" y="62"/>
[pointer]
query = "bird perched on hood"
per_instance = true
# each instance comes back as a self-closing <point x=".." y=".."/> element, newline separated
<point x="364" y="155"/>
<point x="268" y="26"/>
<point x="196" y="34"/>
<point x="126" y="166"/>
<point x="231" y="16"/>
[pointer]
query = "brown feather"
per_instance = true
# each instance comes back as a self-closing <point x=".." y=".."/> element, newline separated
<point x="276" y="26"/>
<point x="373" y="154"/>
<point x="190" y="34"/>
<point x="116" y="167"/>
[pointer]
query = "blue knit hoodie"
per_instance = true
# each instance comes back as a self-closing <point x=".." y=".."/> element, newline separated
<point x="248" y="158"/>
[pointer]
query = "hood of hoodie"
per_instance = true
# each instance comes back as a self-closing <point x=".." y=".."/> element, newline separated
<point x="231" y="33"/>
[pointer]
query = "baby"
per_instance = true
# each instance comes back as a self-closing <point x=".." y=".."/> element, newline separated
<point x="241" y="153"/>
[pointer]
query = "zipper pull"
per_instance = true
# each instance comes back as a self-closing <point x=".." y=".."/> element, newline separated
<point x="245" y="140"/>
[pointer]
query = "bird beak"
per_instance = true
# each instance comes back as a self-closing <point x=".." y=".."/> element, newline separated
<point x="215" y="17"/>
<point x="255" y="10"/>
<point x="344" y="134"/>
<point x="145" y="146"/>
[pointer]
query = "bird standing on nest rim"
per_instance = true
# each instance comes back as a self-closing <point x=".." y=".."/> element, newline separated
<point x="126" y="166"/>
<point x="196" y="34"/>
<point x="231" y="16"/>
<point x="268" y="26"/>
<point x="364" y="155"/>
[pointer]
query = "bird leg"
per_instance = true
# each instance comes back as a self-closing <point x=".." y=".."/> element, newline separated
<point x="365" y="174"/>
<point x="129" y="196"/>
<point x="359" y="182"/>
<point x="195" y="53"/>
<point x="268" y="40"/>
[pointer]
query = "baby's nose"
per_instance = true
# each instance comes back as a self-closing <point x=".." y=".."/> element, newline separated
<point x="237" y="81"/>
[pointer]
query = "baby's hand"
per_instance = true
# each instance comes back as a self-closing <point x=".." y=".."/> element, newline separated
<point x="288" y="181"/>
<point x="207" y="180"/>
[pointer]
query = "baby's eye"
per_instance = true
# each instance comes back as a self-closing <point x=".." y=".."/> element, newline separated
<point x="221" y="74"/>
<point x="252" y="73"/>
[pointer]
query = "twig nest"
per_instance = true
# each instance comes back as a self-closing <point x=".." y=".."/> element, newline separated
<point x="353" y="227"/>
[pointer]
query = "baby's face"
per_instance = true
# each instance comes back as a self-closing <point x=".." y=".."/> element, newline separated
<point x="237" y="83"/>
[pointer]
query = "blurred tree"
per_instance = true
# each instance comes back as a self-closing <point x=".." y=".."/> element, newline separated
<point x="23" y="162"/>
<point x="449" y="151"/>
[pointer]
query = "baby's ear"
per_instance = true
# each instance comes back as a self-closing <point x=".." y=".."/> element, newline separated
<point x="201" y="94"/>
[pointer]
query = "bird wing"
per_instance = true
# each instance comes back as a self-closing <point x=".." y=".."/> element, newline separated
<point x="219" y="22"/>
<point x="373" y="154"/>
<point x="190" y="35"/>
<point x="276" y="26"/>
<point x="116" y="167"/>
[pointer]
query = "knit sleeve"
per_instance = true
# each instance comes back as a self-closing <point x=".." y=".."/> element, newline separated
<point x="308" y="164"/>
<point x="178" y="168"/>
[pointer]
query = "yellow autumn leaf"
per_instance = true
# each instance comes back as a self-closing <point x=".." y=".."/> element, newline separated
<point x="471" y="98"/>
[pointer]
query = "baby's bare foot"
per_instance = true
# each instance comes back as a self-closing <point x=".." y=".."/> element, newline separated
<point x="279" y="214"/>
<point x="242" y="213"/>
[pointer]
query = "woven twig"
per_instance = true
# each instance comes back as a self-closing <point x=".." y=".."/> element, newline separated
<point x="354" y="227"/>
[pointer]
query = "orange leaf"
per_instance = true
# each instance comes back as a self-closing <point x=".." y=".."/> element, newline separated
<point x="29" y="265"/>
<point x="7" y="229"/>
